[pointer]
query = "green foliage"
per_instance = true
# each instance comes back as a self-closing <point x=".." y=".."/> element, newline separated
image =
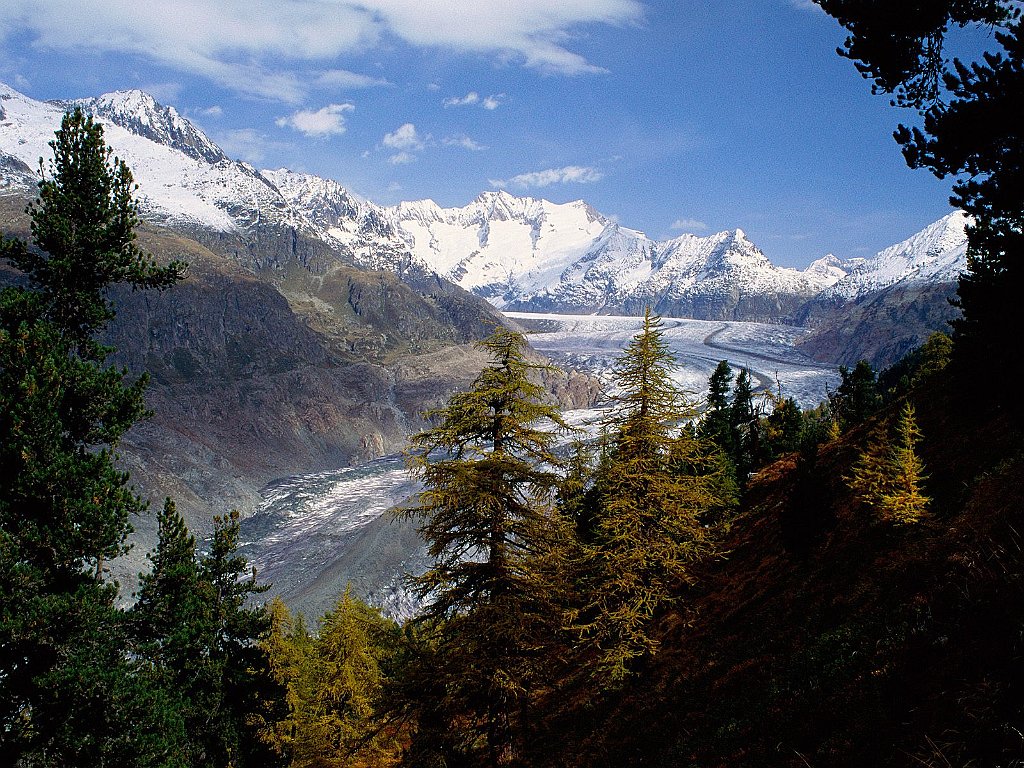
<point x="921" y="364"/>
<point x="64" y="507"/>
<point x="716" y="422"/>
<point x="203" y="644"/>
<point x="970" y="130"/>
<point x="857" y="398"/>
<point x="83" y="227"/>
<point x="785" y="427"/>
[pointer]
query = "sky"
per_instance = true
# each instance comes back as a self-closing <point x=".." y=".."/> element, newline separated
<point x="670" y="116"/>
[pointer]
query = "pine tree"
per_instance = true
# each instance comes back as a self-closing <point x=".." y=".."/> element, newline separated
<point x="205" y="645"/>
<point x="857" y="398"/>
<point x="489" y="476"/>
<point x="172" y="623"/>
<point x="715" y="424"/>
<point x="64" y="506"/>
<point x="784" y="428"/>
<point x="649" y="530"/>
<point x="970" y="129"/>
<point x="242" y="697"/>
<point x="743" y="426"/>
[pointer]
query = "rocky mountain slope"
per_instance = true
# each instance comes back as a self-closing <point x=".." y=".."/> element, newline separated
<point x="315" y="326"/>
<point x="890" y="303"/>
<point x="280" y="353"/>
<point x="517" y="252"/>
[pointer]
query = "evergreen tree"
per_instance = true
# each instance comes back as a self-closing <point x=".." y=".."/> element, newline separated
<point x="970" y="130"/>
<point x="933" y="357"/>
<point x="857" y="398"/>
<point x="242" y="698"/>
<point x="783" y="431"/>
<point x="172" y="625"/>
<point x="204" y="645"/>
<point x="649" y="530"/>
<point x="744" y="427"/>
<point x="64" y="507"/>
<point x="489" y="476"/>
<point x="716" y="423"/>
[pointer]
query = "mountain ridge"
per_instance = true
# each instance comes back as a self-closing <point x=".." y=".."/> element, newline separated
<point x="519" y="253"/>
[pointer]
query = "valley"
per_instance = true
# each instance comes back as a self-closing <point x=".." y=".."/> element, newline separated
<point x="315" y="533"/>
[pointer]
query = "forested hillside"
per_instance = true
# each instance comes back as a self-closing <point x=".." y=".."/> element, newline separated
<point x="751" y="584"/>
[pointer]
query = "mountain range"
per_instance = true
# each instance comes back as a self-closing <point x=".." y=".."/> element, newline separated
<point x="519" y="253"/>
<point x="316" y="326"/>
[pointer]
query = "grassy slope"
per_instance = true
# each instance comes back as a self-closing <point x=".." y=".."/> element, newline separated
<point x="882" y="646"/>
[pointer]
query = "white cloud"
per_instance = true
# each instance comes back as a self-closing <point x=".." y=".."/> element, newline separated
<point x="689" y="225"/>
<point x="244" y="144"/>
<point x="805" y="5"/>
<point x="326" y="121"/>
<point x="490" y="102"/>
<point x="342" y="78"/>
<point x="279" y="48"/>
<point x="405" y="138"/>
<point x="401" y="158"/>
<point x="463" y="141"/>
<point x="570" y="174"/>
<point x="215" y="111"/>
<point x="461" y="101"/>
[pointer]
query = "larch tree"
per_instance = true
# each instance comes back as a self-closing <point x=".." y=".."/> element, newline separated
<point x="649" y="530"/>
<point x="904" y="501"/>
<point x="489" y="519"/>
<point x="888" y="474"/>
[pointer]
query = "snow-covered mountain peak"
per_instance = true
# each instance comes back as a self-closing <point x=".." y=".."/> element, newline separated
<point x="938" y="253"/>
<point x="139" y="113"/>
<point x="331" y="209"/>
<point x="829" y="267"/>
<point x="521" y="252"/>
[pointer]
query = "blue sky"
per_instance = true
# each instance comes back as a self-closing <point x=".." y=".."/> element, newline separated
<point x="672" y="116"/>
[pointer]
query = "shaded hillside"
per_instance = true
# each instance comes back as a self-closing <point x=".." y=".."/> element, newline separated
<point x="293" y="367"/>
<point x="873" y="646"/>
<point x="880" y="327"/>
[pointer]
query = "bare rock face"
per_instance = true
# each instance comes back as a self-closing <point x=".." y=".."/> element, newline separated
<point x="881" y="327"/>
<point x="279" y="356"/>
<point x="266" y="367"/>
